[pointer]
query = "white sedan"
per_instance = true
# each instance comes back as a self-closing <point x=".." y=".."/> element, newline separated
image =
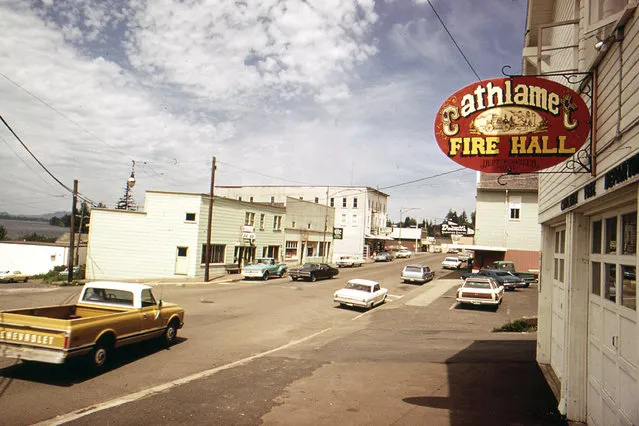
<point x="361" y="293"/>
<point x="403" y="253"/>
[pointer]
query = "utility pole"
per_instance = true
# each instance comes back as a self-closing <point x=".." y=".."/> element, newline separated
<point x="77" y="249"/>
<point x="325" y="225"/>
<point x="70" y="260"/>
<point x="208" y="225"/>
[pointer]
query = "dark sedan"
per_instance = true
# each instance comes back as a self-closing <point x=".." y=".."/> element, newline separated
<point x="505" y="278"/>
<point x="312" y="272"/>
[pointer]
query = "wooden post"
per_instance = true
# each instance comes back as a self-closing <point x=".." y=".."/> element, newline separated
<point x="71" y="259"/>
<point x="208" y="227"/>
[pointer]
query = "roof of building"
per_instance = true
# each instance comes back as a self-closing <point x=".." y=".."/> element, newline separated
<point x="368" y="188"/>
<point x="528" y="182"/>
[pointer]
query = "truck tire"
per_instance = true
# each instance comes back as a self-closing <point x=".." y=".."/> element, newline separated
<point x="100" y="356"/>
<point x="170" y="333"/>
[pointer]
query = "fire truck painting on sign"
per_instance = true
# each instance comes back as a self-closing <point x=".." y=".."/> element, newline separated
<point x="514" y="124"/>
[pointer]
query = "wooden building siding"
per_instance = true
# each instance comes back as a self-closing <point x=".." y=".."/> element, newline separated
<point x="609" y="150"/>
<point x="494" y="228"/>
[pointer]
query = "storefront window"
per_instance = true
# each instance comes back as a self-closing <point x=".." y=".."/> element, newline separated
<point x="596" y="278"/>
<point x="596" y="237"/>
<point x="629" y="286"/>
<point x="629" y="229"/>
<point x="611" y="235"/>
<point x="610" y="284"/>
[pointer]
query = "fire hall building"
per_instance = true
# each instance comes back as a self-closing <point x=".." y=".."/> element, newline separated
<point x="588" y="337"/>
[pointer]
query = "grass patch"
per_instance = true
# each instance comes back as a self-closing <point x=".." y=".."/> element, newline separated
<point x="517" y="326"/>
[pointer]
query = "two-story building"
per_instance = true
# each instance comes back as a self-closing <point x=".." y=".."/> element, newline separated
<point x="359" y="212"/>
<point x="588" y="332"/>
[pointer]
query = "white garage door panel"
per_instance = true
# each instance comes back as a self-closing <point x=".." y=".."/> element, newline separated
<point x="595" y="368"/>
<point x="595" y="323"/>
<point x="628" y="340"/>
<point x="628" y="398"/>
<point x="595" y="405"/>
<point x="610" y="377"/>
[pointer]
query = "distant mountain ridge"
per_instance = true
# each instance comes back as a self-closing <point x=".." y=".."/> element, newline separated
<point x="43" y="217"/>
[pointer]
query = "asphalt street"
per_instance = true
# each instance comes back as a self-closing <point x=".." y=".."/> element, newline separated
<point x="279" y="352"/>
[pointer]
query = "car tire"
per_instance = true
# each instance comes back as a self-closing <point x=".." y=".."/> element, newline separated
<point x="525" y="285"/>
<point x="265" y="276"/>
<point x="313" y="277"/>
<point x="26" y="279"/>
<point x="293" y="278"/>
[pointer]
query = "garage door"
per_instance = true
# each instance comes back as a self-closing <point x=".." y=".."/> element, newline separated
<point x="612" y="321"/>
<point x="558" y="304"/>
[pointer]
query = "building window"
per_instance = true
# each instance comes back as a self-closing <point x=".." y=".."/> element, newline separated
<point x="596" y="237"/>
<point x="293" y="223"/>
<point x="182" y="251"/>
<point x="559" y="259"/>
<point x="611" y="235"/>
<point x="601" y="13"/>
<point x="610" y="290"/>
<point x="344" y="219"/>
<point x="249" y="219"/>
<point x="596" y="278"/>
<point x="217" y="253"/>
<point x="251" y="199"/>
<point x="343" y="202"/>
<point x="308" y="226"/>
<point x="515" y="208"/>
<point x="629" y="233"/>
<point x="239" y="198"/>
<point x="332" y="202"/>
<point x="277" y="223"/>
<point x="190" y="217"/>
<point x="291" y="249"/>
<point x="324" y="248"/>
<point x="354" y="220"/>
<point x="629" y="287"/>
<point x="272" y="199"/>
<point x="355" y="202"/>
<point x="271" y="251"/>
<point x="316" y="200"/>
<point x="262" y="219"/>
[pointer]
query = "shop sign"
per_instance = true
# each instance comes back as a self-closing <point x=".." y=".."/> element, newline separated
<point x="338" y="233"/>
<point x="453" y="228"/>
<point x="517" y="124"/>
<point x="248" y="235"/>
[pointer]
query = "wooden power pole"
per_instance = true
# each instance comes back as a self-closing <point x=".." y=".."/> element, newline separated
<point x="208" y="226"/>
<point x="71" y="259"/>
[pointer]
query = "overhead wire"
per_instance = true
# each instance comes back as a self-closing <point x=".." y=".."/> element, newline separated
<point x="422" y="179"/>
<point x="454" y="42"/>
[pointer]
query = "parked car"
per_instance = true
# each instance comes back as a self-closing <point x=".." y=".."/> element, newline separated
<point x="505" y="278"/>
<point x="78" y="273"/>
<point x="403" y="254"/>
<point x="106" y="316"/>
<point x="8" y="276"/>
<point x="417" y="274"/>
<point x="451" y="263"/>
<point x="361" y="293"/>
<point x="480" y="291"/>
<point x="264" y="268"/>
<point x="383" y="256"/>
<point x="437" y="249"/>
<point x="349" y="260"/>
<point x="313" y="272"/>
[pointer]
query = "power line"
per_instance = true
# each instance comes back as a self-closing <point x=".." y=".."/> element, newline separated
<point x="42" y="165"/>
<point x="454" y="42"/>
<point x="425" y="178"/>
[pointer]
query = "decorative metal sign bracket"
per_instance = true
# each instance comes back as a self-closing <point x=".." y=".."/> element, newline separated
<point x="581" y="161"/>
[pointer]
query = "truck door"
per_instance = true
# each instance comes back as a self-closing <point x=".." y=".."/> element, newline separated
<point x="151" y="322"/>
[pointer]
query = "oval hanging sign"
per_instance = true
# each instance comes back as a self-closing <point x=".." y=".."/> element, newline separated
<point x="512" y="125"/>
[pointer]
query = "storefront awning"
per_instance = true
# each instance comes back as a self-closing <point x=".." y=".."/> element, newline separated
<point x="378" y="237"/>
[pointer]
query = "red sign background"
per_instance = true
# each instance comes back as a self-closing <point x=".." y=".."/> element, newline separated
<point x="517" y="124"/>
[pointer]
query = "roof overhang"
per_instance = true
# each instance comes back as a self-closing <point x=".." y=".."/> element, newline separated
<point x="378" y="237"/>
<point x="476" y="247"/>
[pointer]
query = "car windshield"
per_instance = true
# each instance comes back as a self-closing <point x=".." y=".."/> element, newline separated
<point x="360" y="287"/>
<point x="413" y="269"/>
<point x="263" y="261"/>
<point x="477" y="284"/>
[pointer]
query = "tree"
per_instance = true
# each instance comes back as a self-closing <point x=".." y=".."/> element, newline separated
<point x="3" y="233"/>
<point x="408" y="222"/>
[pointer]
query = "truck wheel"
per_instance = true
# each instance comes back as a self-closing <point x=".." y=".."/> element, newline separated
<point x="170" y="334"/>
<point x="101" y="354"/>
<point x="265" y="276"/>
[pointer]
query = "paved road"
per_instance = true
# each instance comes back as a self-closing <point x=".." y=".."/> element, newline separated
<point x="279" y="352"/>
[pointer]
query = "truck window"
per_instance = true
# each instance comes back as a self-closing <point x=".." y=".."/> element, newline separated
<point x="147" y="298"/>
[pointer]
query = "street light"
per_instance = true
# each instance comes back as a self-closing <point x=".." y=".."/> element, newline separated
<point x="404" y="210"/>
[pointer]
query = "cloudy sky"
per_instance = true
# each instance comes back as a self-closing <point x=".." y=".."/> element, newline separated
<point x="281" y="92"/>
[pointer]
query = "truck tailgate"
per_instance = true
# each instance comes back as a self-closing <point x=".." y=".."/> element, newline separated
<point x="32" y="341"/>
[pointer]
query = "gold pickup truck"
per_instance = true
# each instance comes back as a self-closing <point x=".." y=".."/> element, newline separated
<point x="108" y="315"/>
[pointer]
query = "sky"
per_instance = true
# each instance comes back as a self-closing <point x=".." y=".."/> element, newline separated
<point x="281" y="92"/>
